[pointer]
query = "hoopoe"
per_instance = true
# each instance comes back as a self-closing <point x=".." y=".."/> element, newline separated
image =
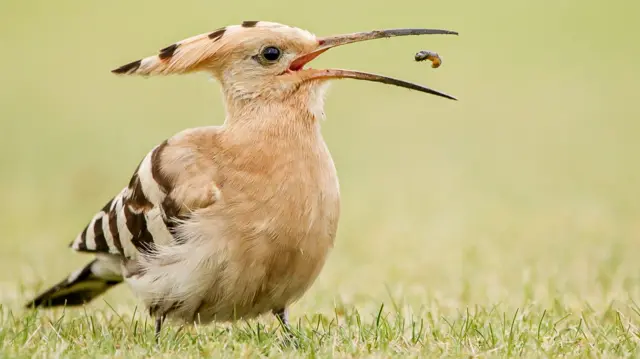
<point x="232" y="221"/>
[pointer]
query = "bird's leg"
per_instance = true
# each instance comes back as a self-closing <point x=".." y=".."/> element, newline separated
<point x="159" y="321"/>
<point x="283" y="318"/>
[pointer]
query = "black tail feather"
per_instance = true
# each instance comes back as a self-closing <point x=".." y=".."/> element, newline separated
<point x="79" y="288"/>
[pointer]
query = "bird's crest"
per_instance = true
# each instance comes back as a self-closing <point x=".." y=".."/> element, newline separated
<point x="196" y="52"/>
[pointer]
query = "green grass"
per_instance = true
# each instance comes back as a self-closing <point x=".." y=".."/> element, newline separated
<point x="484" y="332"/>
<point x="505" y="224"/>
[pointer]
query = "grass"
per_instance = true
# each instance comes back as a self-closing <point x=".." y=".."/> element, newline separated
<point x="483" y="332"/>
<point x="503" y="225"/>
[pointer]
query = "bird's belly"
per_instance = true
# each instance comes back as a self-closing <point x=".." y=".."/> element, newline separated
<point x="266" y="272"/>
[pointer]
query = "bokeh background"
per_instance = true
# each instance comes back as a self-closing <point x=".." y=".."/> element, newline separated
<point x="525" y="192"/>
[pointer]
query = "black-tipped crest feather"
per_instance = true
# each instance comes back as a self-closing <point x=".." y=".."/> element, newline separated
<point x="128" y="68"/>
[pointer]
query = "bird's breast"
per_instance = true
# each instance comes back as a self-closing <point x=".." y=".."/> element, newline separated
<point x="289" y="196"/>
<point x="280" y="224"/>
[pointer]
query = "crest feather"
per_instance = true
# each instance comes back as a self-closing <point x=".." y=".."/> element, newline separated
<point x="182" y="57"/>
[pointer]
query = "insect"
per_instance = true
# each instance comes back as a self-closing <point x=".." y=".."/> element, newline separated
<point x="432" y="56"/>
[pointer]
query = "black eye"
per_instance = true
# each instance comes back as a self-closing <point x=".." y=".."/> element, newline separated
<point x="271" y="53"/>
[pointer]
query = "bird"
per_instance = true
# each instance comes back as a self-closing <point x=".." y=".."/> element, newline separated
<point x="228" y="222"/>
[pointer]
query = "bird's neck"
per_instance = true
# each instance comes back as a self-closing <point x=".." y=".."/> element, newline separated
<point x="292" y="118"/>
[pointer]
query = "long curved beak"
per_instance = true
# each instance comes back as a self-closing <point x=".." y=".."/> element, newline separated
<point x="326" y="43"/>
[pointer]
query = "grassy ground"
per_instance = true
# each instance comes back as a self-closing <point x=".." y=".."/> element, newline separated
<point x="506" y="224"/>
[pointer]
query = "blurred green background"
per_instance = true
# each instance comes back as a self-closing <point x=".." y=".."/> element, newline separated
<point x="527" y="190"/>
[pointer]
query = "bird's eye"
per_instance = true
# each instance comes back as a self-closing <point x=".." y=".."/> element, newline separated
<point x="271" y="53"/>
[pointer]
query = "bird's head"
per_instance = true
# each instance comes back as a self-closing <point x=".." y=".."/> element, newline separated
<point x="260" y="60"/>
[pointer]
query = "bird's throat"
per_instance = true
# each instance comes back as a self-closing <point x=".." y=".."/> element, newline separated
<point x="295" y="115"/>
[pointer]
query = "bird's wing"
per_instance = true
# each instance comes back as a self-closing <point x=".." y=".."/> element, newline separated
<point x="173" y="179"/>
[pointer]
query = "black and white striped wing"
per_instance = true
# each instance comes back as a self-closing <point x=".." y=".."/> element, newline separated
<point x="139" y="216"/>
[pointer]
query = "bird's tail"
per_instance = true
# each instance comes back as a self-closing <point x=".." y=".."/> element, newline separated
<point x="81" y="286"/>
